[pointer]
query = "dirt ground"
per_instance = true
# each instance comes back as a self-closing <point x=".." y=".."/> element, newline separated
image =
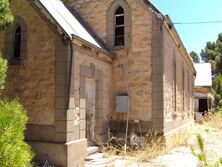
<point x="177" y="157"/>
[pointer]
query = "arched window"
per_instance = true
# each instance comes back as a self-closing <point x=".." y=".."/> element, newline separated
<point x="119" y="27"/>
<point x="17" y="43"/>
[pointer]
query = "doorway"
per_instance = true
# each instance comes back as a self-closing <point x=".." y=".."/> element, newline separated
<point x="203" y="105"/>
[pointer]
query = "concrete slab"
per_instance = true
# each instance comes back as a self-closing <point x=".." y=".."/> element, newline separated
<point x="181" y="157"/>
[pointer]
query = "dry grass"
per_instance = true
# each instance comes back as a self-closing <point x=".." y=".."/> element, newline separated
<point x="161" y="145"/>
<point x="154" y="146"/>
<point x="213" y="120"/>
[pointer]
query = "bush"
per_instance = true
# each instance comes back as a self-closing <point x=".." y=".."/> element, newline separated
<point x="13" y="150"/>
<point x="3" y="70"/>
<point x="13" y="118"/>
<point x="6" y="16"/>
<point x="217" y="90"/>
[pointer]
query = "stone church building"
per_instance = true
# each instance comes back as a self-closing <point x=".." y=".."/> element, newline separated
<point x="82" y="68"/>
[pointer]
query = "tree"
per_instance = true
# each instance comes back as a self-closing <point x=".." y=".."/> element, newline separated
<point x="195" y="57"/>
<point x="212" y="53"/>
<point x="6" y="16"/>
<point x="217" y="90"/>
<point x="13" y="118"/>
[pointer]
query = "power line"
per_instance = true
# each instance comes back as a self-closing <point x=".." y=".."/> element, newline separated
<point x="200" y="22"/>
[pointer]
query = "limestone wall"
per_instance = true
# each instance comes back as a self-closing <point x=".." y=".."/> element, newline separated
<point x="173" y="53"/>
<point x="134" y="62"/>
<point x="33" y="81"/>
<point x="87" y="65"/>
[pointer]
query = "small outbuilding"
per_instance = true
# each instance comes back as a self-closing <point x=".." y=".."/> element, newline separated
<point x="204" y="99"/>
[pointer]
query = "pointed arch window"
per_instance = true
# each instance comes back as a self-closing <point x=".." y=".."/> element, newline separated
<point x="17" y="43"/>
<point x="119" y="27"/>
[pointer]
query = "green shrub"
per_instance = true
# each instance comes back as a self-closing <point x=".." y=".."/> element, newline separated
<point x="14" y="152"/>
<point x="3" y="70"/>
<point x="201" y="155"/>
<point x="6" y="16"/>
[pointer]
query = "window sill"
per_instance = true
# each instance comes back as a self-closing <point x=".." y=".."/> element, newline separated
<point x="119" y="47"/>
<point x="14" y="61"/>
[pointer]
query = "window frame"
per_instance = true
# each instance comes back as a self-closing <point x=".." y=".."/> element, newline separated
<point x="17" y="43"/>
<point x="9" y="50"/>
<point x="111" y="22"/>
<point x="119" y="26"/>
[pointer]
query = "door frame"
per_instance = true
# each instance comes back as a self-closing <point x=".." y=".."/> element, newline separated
<point x="91" y="72"/>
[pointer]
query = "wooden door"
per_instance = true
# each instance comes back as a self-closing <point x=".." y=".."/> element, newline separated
<point x="90" y="108"/>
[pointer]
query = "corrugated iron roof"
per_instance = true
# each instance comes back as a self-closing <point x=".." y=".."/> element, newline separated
<point x="67" y="20"/>
<point x="203" y="77"/>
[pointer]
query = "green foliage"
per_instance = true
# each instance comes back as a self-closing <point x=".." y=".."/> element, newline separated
<point x="217" y="90"/>
<point x="6" y="16"/>
<point x="201" y="155"/>
<point x="213" y="54"/>
<point x="3" y="70"/>
<point x="13" y="150"/>
<point x="195" y="57"/>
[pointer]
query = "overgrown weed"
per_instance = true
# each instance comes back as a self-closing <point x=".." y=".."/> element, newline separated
<point x="213" y="119"/>
<point x="155" y="145"/>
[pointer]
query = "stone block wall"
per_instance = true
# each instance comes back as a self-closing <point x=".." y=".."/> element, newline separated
<point x="41" y="82"/>
<point x="134" y="62"/>
<point x="33" y="79"/>
<point x="89" y="65"/>
<point x="178" y="105"/>
<point x="157" y="74"/>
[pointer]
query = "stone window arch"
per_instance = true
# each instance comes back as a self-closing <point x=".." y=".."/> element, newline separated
<point x="119" y="25"/>
<point x="15" y="41"/>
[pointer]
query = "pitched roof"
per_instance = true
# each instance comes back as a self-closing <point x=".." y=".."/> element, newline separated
<point x="203" y="77"/>
<point x="66" y="20"/>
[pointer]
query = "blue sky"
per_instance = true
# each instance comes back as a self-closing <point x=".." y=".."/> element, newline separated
<point x="193" y="36"/>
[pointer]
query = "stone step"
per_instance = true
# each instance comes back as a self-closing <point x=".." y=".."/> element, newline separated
<point x="92" y="150"/>
<point x="95" y="156"/>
